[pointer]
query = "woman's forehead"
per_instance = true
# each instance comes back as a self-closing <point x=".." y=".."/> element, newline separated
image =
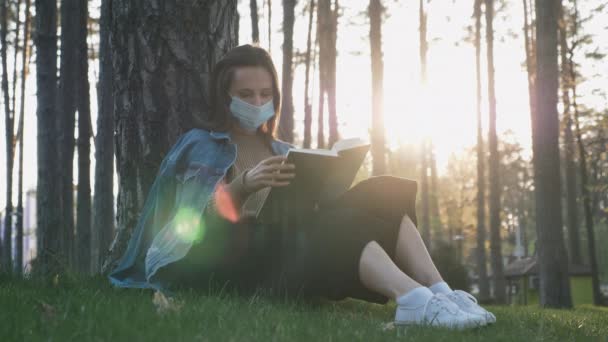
<point x="251" y="77"/>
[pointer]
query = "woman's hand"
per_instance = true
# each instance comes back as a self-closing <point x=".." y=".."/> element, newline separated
<point x="272" y="171"/>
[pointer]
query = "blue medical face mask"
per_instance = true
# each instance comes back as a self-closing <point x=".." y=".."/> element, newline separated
<point x="249" y="116"/>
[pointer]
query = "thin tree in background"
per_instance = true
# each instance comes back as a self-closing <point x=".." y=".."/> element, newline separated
<point x="307" y="100"/>
<point x="327" y="27"/>
<point x="375" y="11"/>
<point x="436" y="225"/>
<point x="269" y="26"/>
<point x="552" y="255"/>
<point x="286" y="125"/>
<point x="66" y="114"/>
<point x="480" y="250"/>
<point x="153" y="107"/>
<point x="582" y="159"/>
<point x="425" y="222"/>
<point x="255" y="27"/>
<point x="83" y="197"/>
<point x="424" y="167"/>
<point x="570" y="165"/>
<point x="25" y="61"/>
<point x="331" y="74"/>
<point x="16" y="50"/>
<point x="530" y="49"/>
<point x="103" y="201"/>
<point x="10" y="152"/>
<point x="323" y="37"/>
<point x="493" y="176"/>
<point x="48" y="209"/>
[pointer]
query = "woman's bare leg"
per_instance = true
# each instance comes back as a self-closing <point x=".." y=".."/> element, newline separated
<point x="379" y="273"/>
<point x="413" y="257"/>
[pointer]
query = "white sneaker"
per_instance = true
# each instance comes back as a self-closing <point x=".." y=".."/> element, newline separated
<point x="467" y="303"/>
<point x="437" y="311"/>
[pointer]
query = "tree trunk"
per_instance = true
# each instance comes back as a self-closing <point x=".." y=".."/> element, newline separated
<point x="10" y="152"/>
<point x="582" y="158"/>
<point x="571" y="193"/>
<point x="424" y="176"/>
<point x="103" y="201"/>
<point x="48" y="218"/>
<point x="286" y="125"/>
<point x="255" y="27"/>
<point x="425" y="222"/>
<point x="495" y="239"/>
<point x="552" y="255"/>
<point x="160" y="88"/>
<point x="25" y="58"/>
<point x="482" y="273"/>
<point x="597" y="295"/>
<point x="436" y="225"/>
<point x="375" y="11"/>
<point x="269" y="26"/>
<point x="331" y="73"/>
<point x="16" y="50"/>
<point x="307" y="100"/>
<point x="66" y="111"/>
<point x="83" y="211"/>
<point x="323" y="34"/>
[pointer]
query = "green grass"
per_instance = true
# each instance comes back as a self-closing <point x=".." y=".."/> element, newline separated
<point x="93" y="311"/>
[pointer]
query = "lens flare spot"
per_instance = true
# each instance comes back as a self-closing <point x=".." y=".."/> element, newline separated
<point x="188" y="225"/>
<point x="224" y="204"/>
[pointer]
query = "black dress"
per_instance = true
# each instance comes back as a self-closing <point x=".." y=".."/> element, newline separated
<point x="320" y="257"/>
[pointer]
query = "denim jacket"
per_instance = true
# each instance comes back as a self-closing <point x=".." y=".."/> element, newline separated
<point x="166" y="229"/>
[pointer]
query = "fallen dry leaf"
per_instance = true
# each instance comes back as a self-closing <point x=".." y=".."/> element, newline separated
<point x="48" y="311"/>
<point x="388" y="326"/>
<point x="164" y="304"/>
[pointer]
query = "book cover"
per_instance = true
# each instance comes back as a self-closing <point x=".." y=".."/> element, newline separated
<point x="321" y="175"/>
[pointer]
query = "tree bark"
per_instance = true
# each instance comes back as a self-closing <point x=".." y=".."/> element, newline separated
<point x="161" y="68"/>
<point x="286" y="125"/>
<point x="103" y="201"/>
<point x="480" y="251"/>
<point x="25" y="59"/>
<point x="83" y="210"/>
<point x="307" y="100"/>
<point x="48" y="218"/>
<point x="375" y="11"/>
<point x="552" y="255"/>
<point x="494" y="160"/>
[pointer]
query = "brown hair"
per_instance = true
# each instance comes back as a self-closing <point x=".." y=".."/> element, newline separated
<point x="219" y="117"/>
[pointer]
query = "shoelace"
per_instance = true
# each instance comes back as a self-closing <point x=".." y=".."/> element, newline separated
<point x="463" y="294"/>
<point x="443" y="303"/>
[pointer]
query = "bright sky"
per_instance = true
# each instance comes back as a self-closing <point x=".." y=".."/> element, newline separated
<point x="446" y="112"/>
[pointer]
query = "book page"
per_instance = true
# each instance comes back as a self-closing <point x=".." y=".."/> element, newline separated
<point x="346" y="144"/>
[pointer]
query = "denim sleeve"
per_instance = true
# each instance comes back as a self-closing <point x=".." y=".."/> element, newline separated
<point x="193" y="189"/>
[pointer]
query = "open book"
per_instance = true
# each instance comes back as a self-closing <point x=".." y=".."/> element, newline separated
<point x="321" y="175"/>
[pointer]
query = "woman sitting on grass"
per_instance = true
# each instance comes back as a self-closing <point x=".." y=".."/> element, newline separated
<point x="197" y="225"/>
